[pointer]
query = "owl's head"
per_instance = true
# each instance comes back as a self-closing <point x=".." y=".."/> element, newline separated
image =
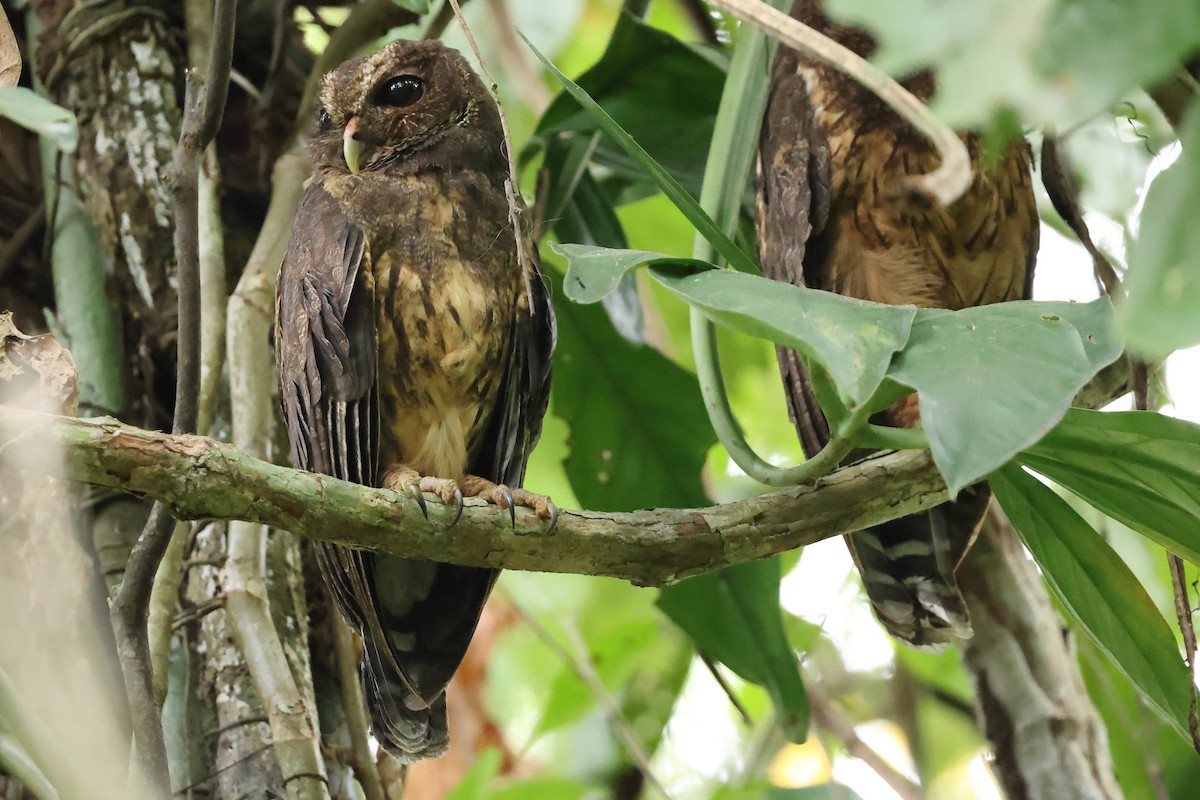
<point x="412" y="102"/>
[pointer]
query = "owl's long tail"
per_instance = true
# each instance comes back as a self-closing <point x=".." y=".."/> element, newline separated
<point x="401" y="722"/>
<point x="908" y="568"/>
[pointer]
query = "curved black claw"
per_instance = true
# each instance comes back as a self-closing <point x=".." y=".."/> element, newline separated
<point x="458" y="507"/>
<point x="507" y="502"/>
<point x="414" y="491"/>
<point x="553" y="517"/>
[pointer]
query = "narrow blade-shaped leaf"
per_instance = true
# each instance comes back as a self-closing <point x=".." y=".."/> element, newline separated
<point x="669" y="186"/>
<point x="1099" y="590"/>
<point x="1141" y="468"/>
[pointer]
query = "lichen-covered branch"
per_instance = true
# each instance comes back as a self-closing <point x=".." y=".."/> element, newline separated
<point x="200" y="478"/>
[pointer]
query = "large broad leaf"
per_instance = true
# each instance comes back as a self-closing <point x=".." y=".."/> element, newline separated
<point x="734" y="617"/>
<point x="416" y="6"/>
<point x="1099" y="590"/>
<point x="1056" y="63"/>
<point x="32" y="111"/>
<point x="639" y="431"/>
<point x="663" y="92"/>
<point x="993" y="380"/>
<point x="594" y="272"/>
<point x="1163" y="308"/>
<point x="855" y="340"/>
<point x="1139" y="467"/>
<point x="1094" y="51"/>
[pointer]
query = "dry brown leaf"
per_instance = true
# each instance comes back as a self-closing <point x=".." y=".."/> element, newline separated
<point x="10" y="54"/>
<point x="36" y="371"/>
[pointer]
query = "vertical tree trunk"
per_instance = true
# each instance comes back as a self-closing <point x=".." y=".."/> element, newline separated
<point x="1047" y="737"/>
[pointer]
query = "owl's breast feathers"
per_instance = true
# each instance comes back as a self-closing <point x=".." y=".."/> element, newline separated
<point x="447" y="287"/>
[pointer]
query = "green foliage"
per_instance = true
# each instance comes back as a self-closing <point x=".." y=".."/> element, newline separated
<point x="643" y="68"/>
<point x="1099" y="590"/>
<point x="1140" y="468"/>
<point x="417" y="6"/>
<point x="1163" y="311"/>
<point x="1057" y="63"/>
<point x="733" y="616"/>
<point x="32" y="111"/>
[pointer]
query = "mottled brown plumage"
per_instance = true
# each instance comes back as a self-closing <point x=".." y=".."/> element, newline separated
<point x="834" y="215"/>
<point x="413" y="353"/>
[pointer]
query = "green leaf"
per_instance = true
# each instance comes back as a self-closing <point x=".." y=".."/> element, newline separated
<point x="734" y="617"/>
<point x="1141" y="468"/>
<point x="663" y="92"/>
<point x="1099" y="590"/>
<point x="542" y="789"/>
<point x="581" y="211"/>
<point x="993" y="380"/>
<point x="615" y="654"/>
<point x="1162" y="312"/>
<point x="594" y="272"/>
<point x="853" y="339"/>
<point x="826" y="791"/>
<point x="1094" y="51"/>
<point x="473" y="785"/>
<point x="639" y="430"/>
<point x="416" y="6"/>
<point x="36" y="113"/>
<point x="669" y="186"/>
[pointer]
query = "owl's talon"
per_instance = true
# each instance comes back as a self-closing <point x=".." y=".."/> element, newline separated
<point x="458" y="507"/>
<point x="414" y="491"/>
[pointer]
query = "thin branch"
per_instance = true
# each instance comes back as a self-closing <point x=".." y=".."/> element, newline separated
<point x="835" y="723"/>
<point x="130" y="607"/>
<point x="201" y="478"/>
<point x="361" y="759"/>
<point x="580" y="663"/>
<point x="512" y="184"/>
<point x="1183" y="612"/>
<point x="945" y="184"/>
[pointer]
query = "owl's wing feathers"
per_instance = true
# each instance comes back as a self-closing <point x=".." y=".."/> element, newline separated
<point x="325" y="338"/>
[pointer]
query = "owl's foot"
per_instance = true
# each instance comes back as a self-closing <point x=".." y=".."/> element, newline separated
<point x="500" y="495"/>
<point x="402" y="478"/>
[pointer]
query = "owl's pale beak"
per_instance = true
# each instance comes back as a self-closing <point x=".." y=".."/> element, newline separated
<point x="351" y="147"/>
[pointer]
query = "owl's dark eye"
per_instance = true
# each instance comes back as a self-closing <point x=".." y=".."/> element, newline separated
<point x="324" y="120"/>
<point x="401" y="91"/>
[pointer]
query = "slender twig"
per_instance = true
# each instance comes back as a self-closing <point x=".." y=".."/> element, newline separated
<point x="945" y="184"/>
<point x="1183" y="612"/>
<point x="580" y="663"/>
<point x="130" y="609"/>
<point x="21" y="236"/>
<point x="361" y="759"/>
<point x="511" y="185"/>
<point x="839" y="727"/>
<point x="528" y="81"/>
<point x="713" y="670"/>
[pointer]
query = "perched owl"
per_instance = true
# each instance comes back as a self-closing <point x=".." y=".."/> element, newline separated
<point x="413" y="352"/>
<point x="833" y="215"/>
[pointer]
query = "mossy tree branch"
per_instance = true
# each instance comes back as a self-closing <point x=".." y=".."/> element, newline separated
<point x="200" y="478"/>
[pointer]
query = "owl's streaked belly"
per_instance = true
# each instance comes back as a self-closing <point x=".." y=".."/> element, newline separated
<point x="442" y="355"/>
